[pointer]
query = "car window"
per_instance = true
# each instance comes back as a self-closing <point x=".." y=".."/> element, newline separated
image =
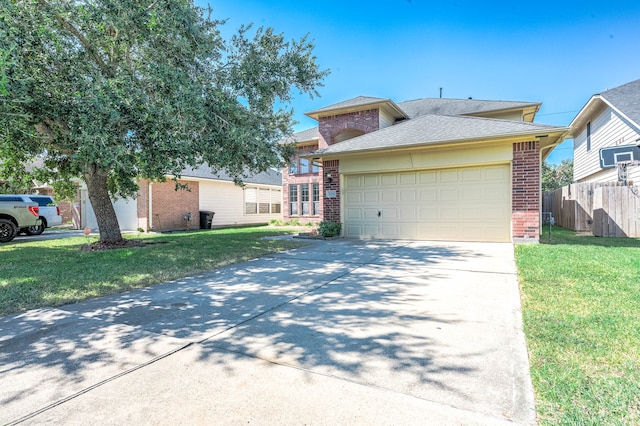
<point x="10" y="198"/>
<point x="42" y="201"/>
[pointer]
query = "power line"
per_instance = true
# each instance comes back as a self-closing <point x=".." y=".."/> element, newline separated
<point x="558" y="113"/>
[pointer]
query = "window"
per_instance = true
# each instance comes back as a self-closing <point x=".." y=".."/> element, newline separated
<point x="303" y="166"/>
<point x="316" y="199"/>
<point x="262" y="200"/>
<point x="251" y="200"/>
<point x="293" y="200"/>
<point x="588" y="136"/>
<point x="293" y="167"/>
<point x="276" y="201"/>
<point x="304" y="197"/>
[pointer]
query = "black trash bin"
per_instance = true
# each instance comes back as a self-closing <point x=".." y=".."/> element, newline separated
<point x="206" y="217"/>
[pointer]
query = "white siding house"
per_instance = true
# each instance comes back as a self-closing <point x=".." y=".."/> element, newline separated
<point x="609" y="119"/>
<point x="159" y="206"/>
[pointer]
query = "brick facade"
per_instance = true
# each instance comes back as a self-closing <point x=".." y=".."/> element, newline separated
<point x="331" y="206"/>
<point x="331" y="126"/>
<point x="169" y="207"/>
<point x="525" y="204"/>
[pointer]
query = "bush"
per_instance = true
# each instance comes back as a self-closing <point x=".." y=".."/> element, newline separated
<point x="329" y="229"/>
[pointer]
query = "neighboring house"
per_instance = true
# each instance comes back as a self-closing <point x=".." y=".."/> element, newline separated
<point x="160" y="207"/>
<point x="429" y="169"/>
<point x="611" y="118"/>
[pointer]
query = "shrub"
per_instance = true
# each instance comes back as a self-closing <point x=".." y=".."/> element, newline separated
<point x="329" y="229"/>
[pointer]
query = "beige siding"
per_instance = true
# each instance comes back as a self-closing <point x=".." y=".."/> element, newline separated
<point x="227" y="201"/>
<point x="386" y="120"/>
<point x="428" y="158"/>
<point x="607" y="129"/>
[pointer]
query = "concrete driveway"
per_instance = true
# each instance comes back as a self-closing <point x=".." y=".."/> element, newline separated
<point x="337" y="332"/>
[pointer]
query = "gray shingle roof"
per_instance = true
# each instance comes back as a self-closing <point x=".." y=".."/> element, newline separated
<point x="434" y="129"/>
<point x="358" y="101"/>
<point x="270" y="177"/>
<point x="626" y="98"/>
<point x="419" y="107"/>
<point x="302" y="136"/>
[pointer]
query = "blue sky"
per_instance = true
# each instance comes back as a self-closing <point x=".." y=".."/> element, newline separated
<point x="558" y="53"/>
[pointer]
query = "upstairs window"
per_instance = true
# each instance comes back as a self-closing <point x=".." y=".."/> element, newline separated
<point x="588" y="136"/>
<point x="303" y="166"/>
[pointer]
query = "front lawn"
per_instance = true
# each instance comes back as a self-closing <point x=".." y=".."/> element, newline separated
<point x="57" y="272"/>
<point x="581" y="312"/>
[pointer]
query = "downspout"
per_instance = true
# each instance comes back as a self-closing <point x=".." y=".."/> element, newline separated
<point x="150" y="226"/>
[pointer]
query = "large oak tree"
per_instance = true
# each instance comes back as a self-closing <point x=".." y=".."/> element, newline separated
<point x="115" y="90"/>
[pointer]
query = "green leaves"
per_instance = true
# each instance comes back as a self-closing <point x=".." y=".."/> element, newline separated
<point x="142" y="88"/>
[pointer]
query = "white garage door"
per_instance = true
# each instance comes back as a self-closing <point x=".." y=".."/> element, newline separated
<point x="126" y="212"/>
<point x="461" y="204"/>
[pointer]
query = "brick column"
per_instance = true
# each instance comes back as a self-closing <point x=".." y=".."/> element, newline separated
<point x="525" y="215"/>
<point x="331" y="206"/>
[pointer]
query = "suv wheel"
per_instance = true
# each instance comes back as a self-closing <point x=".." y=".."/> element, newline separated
<point x="8" y="230"/>
<point x="35" y="230"/>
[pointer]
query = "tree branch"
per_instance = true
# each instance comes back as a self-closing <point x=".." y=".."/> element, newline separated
<point x="81" y="38"/>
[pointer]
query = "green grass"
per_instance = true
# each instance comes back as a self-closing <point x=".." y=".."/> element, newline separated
<point x="581" y="312"/>
<point x="57" y="272"/>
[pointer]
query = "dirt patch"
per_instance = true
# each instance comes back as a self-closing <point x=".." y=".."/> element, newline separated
<point x="101" y="245"/>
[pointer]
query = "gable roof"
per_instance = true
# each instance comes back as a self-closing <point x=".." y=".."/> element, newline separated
<point x="624" y="99"/>
<point x="432" y="129"/>
<point x="357" y="104"/>
<point x="270" y="177"/>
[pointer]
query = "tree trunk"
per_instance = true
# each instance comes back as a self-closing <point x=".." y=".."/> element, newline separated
<point x="97" y="189"/>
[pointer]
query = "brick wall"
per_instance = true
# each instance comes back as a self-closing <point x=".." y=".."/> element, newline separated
<point x="331" y="206"/>
<point x="169" y="206"/>
<point x="331" y="126"/>
<point x="525" y="216"/>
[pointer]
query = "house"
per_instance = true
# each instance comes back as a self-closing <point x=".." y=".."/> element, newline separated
<point x="427" y="169"/>
<point x="609" y="119"/>
<point x="160" y="207"/>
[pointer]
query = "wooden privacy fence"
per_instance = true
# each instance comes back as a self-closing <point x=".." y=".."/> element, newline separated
<point x="605" y="209"/>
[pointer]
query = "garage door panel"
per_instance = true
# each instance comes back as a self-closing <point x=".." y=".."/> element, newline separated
<point x="371" y="197"/>
<point x="473" y="175"/>
<point x="425" y="178"/>
<point x="390" y="196"/>
<point x="408" y="213"/>
<point x="429" y="195"/>
<point x="387" y="214"/>
<point x="371" y="181"/>
<point x="389" y="179"/>
<point x="465" y="204"/>
<point x="448" y="176"/>
<point x="370" y="214"/>
<point x="354" y="214"/>
<point x="353" y="197"/>
<point x="448" y="195"/>
<point x="408" y="178"/>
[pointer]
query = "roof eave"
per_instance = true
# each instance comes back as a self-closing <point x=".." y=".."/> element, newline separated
<point x="316" y="114"/>
<point x="555" y="135"/>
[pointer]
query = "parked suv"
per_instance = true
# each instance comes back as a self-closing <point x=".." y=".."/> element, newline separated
<point x="48" y="210"/>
